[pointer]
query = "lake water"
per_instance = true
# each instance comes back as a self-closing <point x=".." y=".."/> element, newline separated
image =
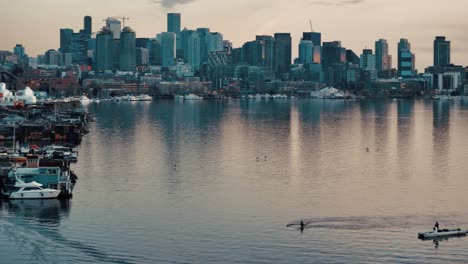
<point x="217" y="182"/>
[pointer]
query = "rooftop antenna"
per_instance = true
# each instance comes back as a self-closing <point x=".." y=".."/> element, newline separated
<point x="311" y="27"/>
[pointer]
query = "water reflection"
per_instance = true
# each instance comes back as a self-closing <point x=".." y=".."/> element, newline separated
<point x="46" y="211"/>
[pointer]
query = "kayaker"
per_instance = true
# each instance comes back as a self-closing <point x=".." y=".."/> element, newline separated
<point x="302" y="226"/>
<point x="436" y="227"/>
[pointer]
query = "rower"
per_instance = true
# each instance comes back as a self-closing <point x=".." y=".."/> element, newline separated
<point x="436" y="227"/>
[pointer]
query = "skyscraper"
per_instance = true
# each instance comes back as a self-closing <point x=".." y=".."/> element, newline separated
<point x="215" y="42"/>
<point x="333" y="53"/>
<point x="168" y="48"/>
<point x="127" y="50"/>
<point x="315" y="37"/>
<point x="367" y="60"/>
<point x="115" y="26"/>
<point x="142" y="56"/>
<point x="269" y="51"/>
<point x="382" y="59"/>
<point x="406" y="59"/>
<point x="66" y="35"/>
<point x="282" y="52"/>
<point x="306" y="52"/>
<point x="204" y="35"/>
<point x="103" y="59"/>
<point x="173" y="22"/>
<point x="19" y="51"/>
<point x="88" y="25"/>
<point x="193" y="51"/>
<point x="79" y="48"/>
<point x="441" y="52"/>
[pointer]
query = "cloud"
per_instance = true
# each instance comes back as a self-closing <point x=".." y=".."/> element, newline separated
<point x="172" y="3"/>
<point x="336" y="2"/>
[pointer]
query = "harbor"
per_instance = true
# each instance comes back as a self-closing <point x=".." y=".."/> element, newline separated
<point x="38" y="147"/>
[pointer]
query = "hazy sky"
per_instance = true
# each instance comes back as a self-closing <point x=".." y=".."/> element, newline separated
<point x="357" y="23"/>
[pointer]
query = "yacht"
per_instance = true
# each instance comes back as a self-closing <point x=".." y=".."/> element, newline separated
<point x="32" y="190"/>
<point x="193" y="97"/>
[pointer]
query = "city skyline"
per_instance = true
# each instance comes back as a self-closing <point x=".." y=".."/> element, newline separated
<point x="332" y="19"/>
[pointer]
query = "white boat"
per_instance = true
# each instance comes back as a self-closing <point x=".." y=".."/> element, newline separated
<point x="32" y="190"/>
<point x="442" y="233"/>
<point x="84" y="99"/>
<point x="193" y="97"/>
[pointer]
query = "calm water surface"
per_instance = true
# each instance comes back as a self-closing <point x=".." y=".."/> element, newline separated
<point x="217" y="182"/>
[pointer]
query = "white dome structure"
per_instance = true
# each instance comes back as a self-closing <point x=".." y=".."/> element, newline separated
<point x="26" y="95"/>
<point x="4" y="91"/>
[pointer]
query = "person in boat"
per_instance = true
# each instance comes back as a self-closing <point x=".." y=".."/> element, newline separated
<point x="436" y="227"/>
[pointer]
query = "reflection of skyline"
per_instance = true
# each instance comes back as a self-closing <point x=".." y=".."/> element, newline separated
<point x="441" y="138"/>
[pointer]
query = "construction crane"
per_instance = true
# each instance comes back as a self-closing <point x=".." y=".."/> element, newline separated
<point x="311" y="27"/>
<point x="122" y="17"/>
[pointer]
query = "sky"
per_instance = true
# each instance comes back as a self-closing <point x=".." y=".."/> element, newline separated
<point x="357" y="23"/>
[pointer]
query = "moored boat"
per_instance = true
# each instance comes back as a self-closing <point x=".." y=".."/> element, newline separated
<point x="32" y="190"/>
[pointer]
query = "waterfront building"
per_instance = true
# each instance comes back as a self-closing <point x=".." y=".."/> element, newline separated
<point x="383" y="61"/>
<point x="168" y="48"/>
<point x="88" y="25"/>
<point x="127" y="50"/>
<point x="253" y="53"/>
<point x="66" y="35"/>
<point x="406" y="59"/>
<point x="306" y="50"/>
<point x="441" y="52"/>
<point x="104" y="57"/>
<point x="67" y="59"/>
<point x="282" y="53"/>
<point x="115" y="26"/>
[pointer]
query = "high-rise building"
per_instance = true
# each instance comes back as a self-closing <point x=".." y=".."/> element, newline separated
<point x="315" y="37"/>
<point x="193" y="51"/>
<point x="115" y="26"/>
<point x="79" y="48"/>
<point x="352" y="58"/>
<point x="142" y="43"/>
<point x="53" y="57"/>
<point x="367" y="60"/>
<point x="215" y="42"/>
<point x="306" y="52"/>
<point x="127" y="50"/>
<point x="282" y="52"/>
<point x="142" y="56"/>
<point x="441" y="52"/>
<point x="103" y="59"/>
<point x="155" y="52"/>
<point x="383" y="61"/>
<point x="168" y="48"/>
<point x="406" y="59"/>
<point x="66" y="35"/>
<point x="269" y="51"/>
<point x="333" y="53"/>
<point x="204" y="35"/>
<point x="19" y="51"/>
<point x="88" y="25"/>
<point x="173" y="22"/>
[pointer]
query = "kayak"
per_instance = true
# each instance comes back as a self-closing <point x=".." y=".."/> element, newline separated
<point x="442" y="233"/>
